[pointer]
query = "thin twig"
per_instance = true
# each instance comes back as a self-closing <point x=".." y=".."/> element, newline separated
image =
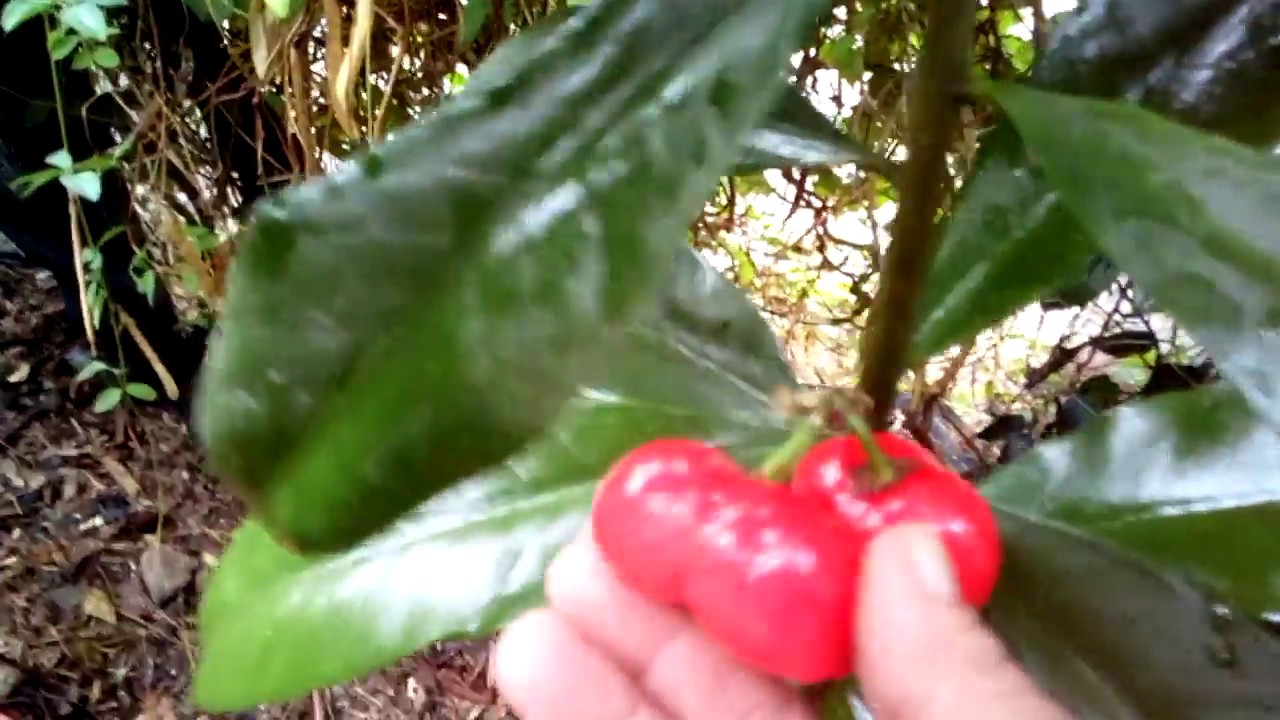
<point x="82" y="286"/>
<point x="943" y="386"/>
<point x="166" y="379"/>
<point x="933" y="118"/>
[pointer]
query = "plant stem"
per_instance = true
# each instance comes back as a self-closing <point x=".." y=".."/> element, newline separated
<point x="933" y="119"/>
<point x="833" y="702"/>
<point x="882" y="470"/>
<point x="778" y="465"/>
<point x="73" y="206"/>
<point x="57" y="88"/>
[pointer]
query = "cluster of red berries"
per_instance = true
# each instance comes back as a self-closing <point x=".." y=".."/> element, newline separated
<point x="771" y="570"/>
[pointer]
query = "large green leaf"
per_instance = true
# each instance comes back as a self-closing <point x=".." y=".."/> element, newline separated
<point x="1008" y="238"/>
<point x="1100" y="274"/>
<point x="274" y="625"/>
<point x="1190" y="216"/>
<point x="1108" y="47"/>
<point x="796" y="134"/>
<point x="1227" y="82"/>
<point x="700" y="304"/>
<point x="792" y="134"/>
<point x="1187" y="480"/>
<point x="1210" y="63"/>
<point x="427" y="311"/>
<point x="1114" y="638"/>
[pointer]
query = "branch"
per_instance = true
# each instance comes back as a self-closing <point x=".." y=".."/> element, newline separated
<point x="1037" y="27"/>
<point x="933" y="120"/>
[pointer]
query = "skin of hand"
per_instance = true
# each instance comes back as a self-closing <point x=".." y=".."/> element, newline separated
<point x="599" y="651"/>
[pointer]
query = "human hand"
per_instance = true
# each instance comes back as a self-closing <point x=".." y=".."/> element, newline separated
<point x="601" y="652"/>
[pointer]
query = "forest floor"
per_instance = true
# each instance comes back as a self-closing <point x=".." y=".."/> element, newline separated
<point x="108" y="532"/>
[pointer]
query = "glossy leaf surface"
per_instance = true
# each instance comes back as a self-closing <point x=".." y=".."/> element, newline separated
<point x="474" y="15"/>
<point x="1123" y="38"/>
<point x="1008" y="238"/>
<point x="1113" y="637"/>
<point x="1209" y="63"/>
<point x="274" y="625"/>
<point x="1188" y="215"/>
<point x="1188" y="481"/>
<point x="86" y="19"/>
<point x="793" y="133"/>
<point x="1100" y="274"/>
<point x="16" y="12"/>
<point x="796" y="134"/>
<point x="428" y="310"/>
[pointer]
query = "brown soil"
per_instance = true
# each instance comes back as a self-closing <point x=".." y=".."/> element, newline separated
<point x="82" y="496"/>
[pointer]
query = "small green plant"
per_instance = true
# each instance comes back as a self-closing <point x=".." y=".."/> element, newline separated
<point x="143" y="273"/>
<point x="95" y="281"/>
<point x="80" y="29"/>
<point x="117" y="390"/>
<point x="77" y="178"/>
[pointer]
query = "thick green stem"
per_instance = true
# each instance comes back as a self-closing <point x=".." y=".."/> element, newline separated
<point x="882" y="469"/>
<point x="777" y="467"/>
<point x="835" y="701"/>
<point x="933" y="117"/>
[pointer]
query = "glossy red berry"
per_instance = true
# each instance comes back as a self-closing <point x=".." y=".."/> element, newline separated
<point x="847" y="451"/>
<point x="768" y="573"/>
<point x="838" y="468"/>
<point x="650" y="506"/>
<point x="775" y="583"/>
<point x="925" y="492"/>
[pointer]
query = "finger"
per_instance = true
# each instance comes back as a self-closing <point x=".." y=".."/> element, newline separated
<point x="675" y="663"/>
<point x="924" y="654"/>
<point x="547" y="672"/>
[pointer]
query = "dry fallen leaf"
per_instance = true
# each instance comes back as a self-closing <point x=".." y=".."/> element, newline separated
<point x="165" y="571"/>
<point x="23" y="478"/>
<point x="19" y="373"/>
<point x="158" y="707"/>
<point x="10" y="676"/>
<point x="98" y="605"/>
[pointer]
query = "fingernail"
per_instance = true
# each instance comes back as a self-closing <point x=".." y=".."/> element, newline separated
<point x="931" y="563"/>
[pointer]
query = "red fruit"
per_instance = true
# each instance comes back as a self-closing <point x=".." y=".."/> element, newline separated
<point x="838" y="468"/>
<point x="775" y="582"/>
<point x="769" y="574"/>
<point x="649" y="507"/>
<point x="926" y="493"/>
<point x="853" y="455"/>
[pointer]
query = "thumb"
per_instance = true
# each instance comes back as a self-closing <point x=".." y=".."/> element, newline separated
<point x="923" y="653"/>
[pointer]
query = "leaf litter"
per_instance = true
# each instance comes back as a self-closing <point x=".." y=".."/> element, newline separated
<point x="108" y="531"/>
